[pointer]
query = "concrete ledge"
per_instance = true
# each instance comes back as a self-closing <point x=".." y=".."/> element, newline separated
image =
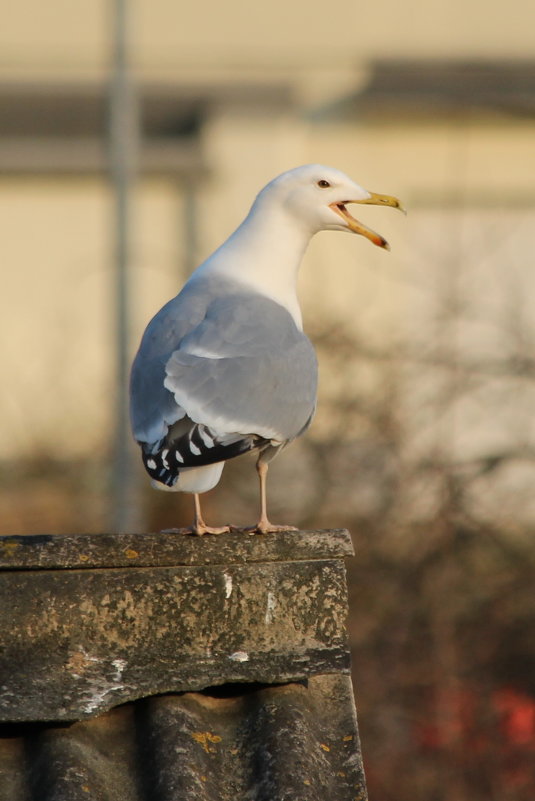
<point x="114" y="618"/>
<point x="164" y="548"/>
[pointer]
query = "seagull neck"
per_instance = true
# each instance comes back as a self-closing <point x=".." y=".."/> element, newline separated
<point x="265" y="253"/>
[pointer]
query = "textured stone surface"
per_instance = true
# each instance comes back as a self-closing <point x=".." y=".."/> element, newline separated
<point x="172" y="549"/>
<point x="75" y="642"/>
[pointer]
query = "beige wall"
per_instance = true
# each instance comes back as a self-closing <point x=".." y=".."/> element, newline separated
<point x="208" y="38"/>
<point x="57" y="300"/>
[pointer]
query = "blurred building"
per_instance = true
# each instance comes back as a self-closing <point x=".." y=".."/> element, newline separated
<point x="424" y="440"/>
<point x="432" y="102"/>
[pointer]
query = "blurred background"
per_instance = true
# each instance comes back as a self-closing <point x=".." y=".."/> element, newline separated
<point x="133" y="139"/>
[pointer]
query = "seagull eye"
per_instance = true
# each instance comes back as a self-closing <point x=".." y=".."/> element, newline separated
<point x="323" y="184"/>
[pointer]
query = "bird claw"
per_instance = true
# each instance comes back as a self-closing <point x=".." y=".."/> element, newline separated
<point x="201" y="528"/>
<point x="265" y="527"/>
<point x="198" y="530"/>
<point x="271" y="528"/>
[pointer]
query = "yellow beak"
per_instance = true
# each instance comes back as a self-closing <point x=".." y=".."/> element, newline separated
<point x="358" y="227"/>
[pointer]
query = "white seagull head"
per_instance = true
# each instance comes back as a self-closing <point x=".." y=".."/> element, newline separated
<point x="317" y="197"/>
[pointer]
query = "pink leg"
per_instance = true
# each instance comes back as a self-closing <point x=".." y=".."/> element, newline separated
<point x="263" y="525"/>
<point x="199" y="526"/>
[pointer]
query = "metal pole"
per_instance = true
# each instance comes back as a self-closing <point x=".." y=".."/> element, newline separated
<point x="123" y="143"/>
<point x="189" y="228"/>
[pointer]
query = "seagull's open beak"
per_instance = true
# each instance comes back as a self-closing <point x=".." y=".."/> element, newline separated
<point x="358" y="227"/>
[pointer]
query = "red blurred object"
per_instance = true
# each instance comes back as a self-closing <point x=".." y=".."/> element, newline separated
<point x="516" y="716"/>
<point x="497" y="730"/>
<point x="462" y="714"/>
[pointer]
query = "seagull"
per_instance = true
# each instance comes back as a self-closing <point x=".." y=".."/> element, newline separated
<point x="224" y="367"/>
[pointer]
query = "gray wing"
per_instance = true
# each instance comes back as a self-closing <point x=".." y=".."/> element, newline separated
<point x="246" y="368"/>
<point x="231" y="360"/>
<point x="152" y="407"/>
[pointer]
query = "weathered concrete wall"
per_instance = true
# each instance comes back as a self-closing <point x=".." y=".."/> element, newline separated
<point x="93" y="621"/>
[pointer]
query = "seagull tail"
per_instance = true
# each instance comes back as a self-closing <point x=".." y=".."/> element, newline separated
<point x="165" y="460"/>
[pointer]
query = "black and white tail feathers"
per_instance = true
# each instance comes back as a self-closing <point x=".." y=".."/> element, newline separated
<point x="189" y="444"/>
